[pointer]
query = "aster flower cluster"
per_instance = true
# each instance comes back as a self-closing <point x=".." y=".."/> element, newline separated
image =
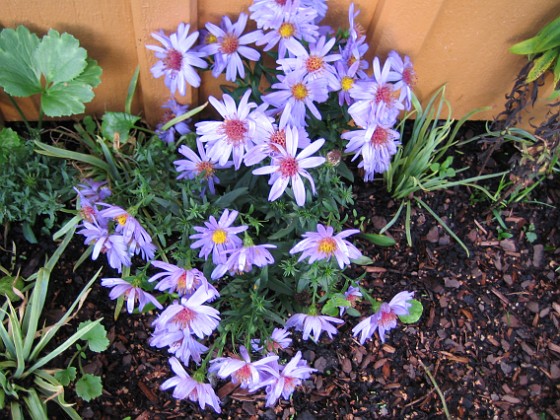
<point x="268" y="221"/>
<point x="109" y="229"/>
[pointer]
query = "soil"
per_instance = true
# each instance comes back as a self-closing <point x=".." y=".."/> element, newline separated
<point x="487" y="345"/>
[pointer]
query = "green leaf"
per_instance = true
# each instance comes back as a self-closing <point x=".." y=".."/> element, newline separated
<point x="548" y="37"/>
<point x="59" y="57"/>
<point x="89" y="387"/>
<point x="96" y="338"/>
<point x="65" y="99"/>
<point x="19" y="77"/>
<point x="91" y="74"/>
<point x="66" y="376"/>
<point x="7" y="284"/>
<point x="118" y="123"/>
<point x="362" y="260"/>
<point x="414" y="313"/>
<point x="379" y="240"/>
<point x="541" y="64"/>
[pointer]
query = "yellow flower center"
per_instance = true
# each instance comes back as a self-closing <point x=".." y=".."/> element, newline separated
<point x="286" y="30"/>
<point x="327" y="246"/>
<point x="299" y="91"/>
<point x="347" y="82"/>
<point x="219" y="236"/>
<point x="210" y="38"/>
<point x="121" y="220"/>
<point x="206" y="169"/>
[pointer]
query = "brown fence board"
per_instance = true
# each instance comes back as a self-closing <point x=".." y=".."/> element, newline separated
<point x="462" y="44"/>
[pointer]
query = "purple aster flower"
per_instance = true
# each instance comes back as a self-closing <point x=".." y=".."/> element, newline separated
<point x="376" y="144"/>
<point x="238" y="131"/>
<point x="376" y="99"/>
<point x="187" y="387"/>
<point x="294" y="94"/>
<point x="198" y="166"/>
<point x="136" y="237"/>
<point x="351" y="295"/>
<point x="242" y="371"/>
<point x="294" y="24"/>
<point x="230" y="46"/>
<point x="91" y="191"/>
<point x="190" y="314"/>
<point x="176" y="279"/>
<point x="241" y="260"/>
<point x="288" y="167"/>
<point x="181" y="343"/>
<point x="407" y="79"/>
<point x="284" y="380"/>
<point x="315" y="62"/>
<point x="385" y="318"/>
<point x="269" y="13"/>
<point x="131" y="293"/>
<point x="173" y="109"/>
<point x="176" y="60"/>
<point x="113" y="246"/>
<point x="218" y="236"/>
<point x="313" y="323"/>
<point x="322" y="245"/>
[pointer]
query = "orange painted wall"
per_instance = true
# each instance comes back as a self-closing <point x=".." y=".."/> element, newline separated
<point x="461" y="43"/>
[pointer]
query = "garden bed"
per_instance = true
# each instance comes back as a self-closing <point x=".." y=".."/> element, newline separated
<point x="488" y="336"/>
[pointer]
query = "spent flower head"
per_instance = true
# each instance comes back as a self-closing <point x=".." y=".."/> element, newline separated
<point x="313" y="325"/>
<point x="132" y="294"/>
<point x="187" y="387"/>
<point x="385" y="318"/>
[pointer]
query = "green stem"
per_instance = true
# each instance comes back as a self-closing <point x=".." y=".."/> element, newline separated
<point x="20" y="112"/>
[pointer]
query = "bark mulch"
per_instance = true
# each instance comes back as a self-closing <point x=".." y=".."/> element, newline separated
<point x="488" y="343"/>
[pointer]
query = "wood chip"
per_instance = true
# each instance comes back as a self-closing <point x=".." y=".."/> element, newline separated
<point x="454" y="358"/>
<point x="554" y="347"/>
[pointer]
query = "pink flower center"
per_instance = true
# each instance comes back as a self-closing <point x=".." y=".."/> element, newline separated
<point x="167" y="116"/>
<point x="314" y="63"/>
<point x="229" y="44"/>
<point x="278" y="138"/>
<point x="87" y="213"/>
<point x="243" y="375"/>
<point x="235" y="131"/>
<point x="327" y="246"/>
<point x="379" y="137"/>
<point x="387" y="318"/>
<point x="288" y="167"/>
<point x="206" y="169"/>
<point x="184" y="318"/>
<point x="281" y="2"/>
<point x="182" y="283"/>
<point x="384" y="94"/>
<point x="173" y="60"/>
<point x="299" y="91"/>
<point x="409" y="76"/>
